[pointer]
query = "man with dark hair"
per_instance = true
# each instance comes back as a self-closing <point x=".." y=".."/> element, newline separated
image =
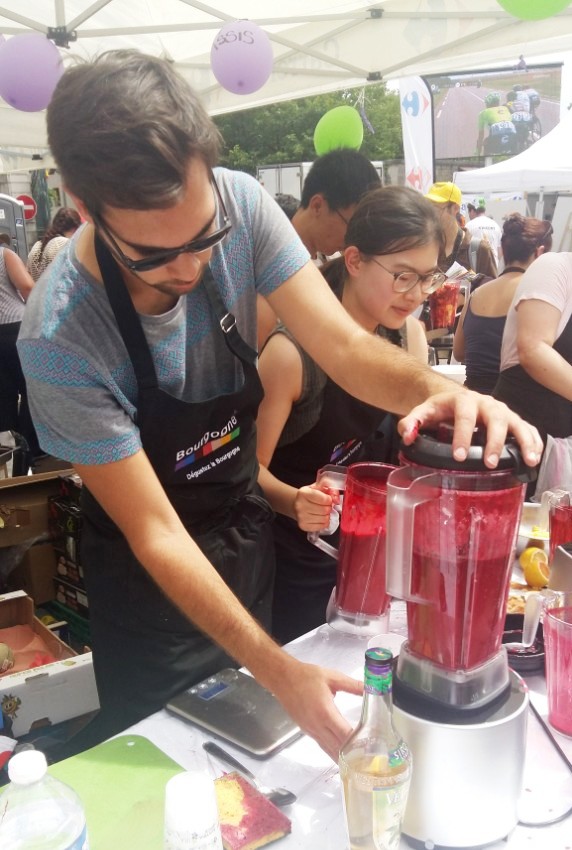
<point x="139" y="351"/>
<point x="332" y="188"/>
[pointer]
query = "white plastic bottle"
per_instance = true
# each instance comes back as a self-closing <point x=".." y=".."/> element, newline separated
<point x="37" y="811"/>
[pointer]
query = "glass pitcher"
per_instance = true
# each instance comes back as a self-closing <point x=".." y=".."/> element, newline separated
<point x="452" y="532"/>
<point x="359" y="603"/>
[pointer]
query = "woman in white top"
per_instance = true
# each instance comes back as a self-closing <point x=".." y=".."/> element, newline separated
<point x="65" y="223"/>
<point x="536" y="355"/>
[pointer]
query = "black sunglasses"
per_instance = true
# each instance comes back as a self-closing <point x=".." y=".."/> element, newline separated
<point x="160" y="258"/>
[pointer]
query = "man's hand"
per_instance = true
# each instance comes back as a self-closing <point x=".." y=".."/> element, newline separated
<point x="306" y="692"/>
<point x="466" y="409"/>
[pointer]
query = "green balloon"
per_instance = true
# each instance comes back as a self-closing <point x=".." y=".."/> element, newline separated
<point x="340" y="127"/>
<point x="533" y="10"/>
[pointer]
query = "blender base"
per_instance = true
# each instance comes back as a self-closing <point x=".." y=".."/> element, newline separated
<point x="467" y="778"/>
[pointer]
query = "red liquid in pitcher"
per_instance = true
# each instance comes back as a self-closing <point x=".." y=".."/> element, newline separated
<point x="560" y="527"/>
<point x="360" y="582"/>
<point x="360" y="585"/>
<point x="462" y="560"/>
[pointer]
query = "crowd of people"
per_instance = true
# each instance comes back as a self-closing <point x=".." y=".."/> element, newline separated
<point x="193" y="356"/>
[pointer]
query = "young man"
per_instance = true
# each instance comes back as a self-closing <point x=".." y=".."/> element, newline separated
<point x="138" y="346"/>
<point x="447" y="198"/>
<point x="332" y="188"/>
<point x="331" y="191"/>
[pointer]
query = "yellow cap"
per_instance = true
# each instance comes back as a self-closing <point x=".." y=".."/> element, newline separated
<point x="445" y="193"/>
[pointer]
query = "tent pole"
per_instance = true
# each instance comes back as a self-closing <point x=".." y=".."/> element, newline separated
<point x="539" y="210"/>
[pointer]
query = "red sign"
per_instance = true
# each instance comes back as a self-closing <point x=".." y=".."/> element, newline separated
<point x="30" y="206"/>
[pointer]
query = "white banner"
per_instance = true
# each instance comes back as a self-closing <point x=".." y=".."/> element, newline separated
<point x="417" y="127"/>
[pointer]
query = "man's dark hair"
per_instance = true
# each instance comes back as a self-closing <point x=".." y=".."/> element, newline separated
<point x="342" y="177"/>
<point x="123" y="130"/>
<point x="471" y="208"/>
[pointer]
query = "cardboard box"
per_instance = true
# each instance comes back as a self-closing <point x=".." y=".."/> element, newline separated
<point x="35" y="573"/>
<point x="24" y="506"/>
<point x="49" y="694"/>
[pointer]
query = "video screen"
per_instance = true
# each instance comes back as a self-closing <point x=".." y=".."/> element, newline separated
<point x="496" y="113"/>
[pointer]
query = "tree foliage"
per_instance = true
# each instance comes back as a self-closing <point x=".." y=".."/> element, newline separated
<point x="284" y="132"/>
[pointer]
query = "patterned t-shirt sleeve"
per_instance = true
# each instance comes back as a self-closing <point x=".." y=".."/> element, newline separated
<point x="80" y="413"/>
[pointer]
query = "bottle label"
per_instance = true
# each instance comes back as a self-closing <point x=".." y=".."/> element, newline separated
<point x="388" y="810"/>
<point x="377" y="683"/>
<point x="190" y="839"/>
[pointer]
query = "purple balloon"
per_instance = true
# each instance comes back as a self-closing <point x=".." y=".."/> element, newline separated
<point x="30" y="67"/>
<point x="241" y="57"/>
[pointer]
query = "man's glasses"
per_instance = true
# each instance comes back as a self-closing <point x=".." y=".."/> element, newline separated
<point x="404" y="281"/>
<point x="342" y="216"/>
<point x="159" y="258"/>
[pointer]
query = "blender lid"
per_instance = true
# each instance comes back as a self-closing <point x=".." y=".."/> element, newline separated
<point x="434" y="448"/>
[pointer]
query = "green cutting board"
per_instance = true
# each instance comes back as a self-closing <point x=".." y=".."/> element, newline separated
<point x="122" y="786"/>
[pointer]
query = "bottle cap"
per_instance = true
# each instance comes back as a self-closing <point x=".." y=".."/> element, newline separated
<point x="27" y="767"/>
<point x="191" y="812"/>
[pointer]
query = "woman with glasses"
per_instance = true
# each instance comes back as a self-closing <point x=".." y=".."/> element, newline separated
<point x="479" y="333"/>
<point x="388" y="267"/>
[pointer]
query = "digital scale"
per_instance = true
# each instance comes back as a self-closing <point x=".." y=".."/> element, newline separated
<point x="232" y="705"/>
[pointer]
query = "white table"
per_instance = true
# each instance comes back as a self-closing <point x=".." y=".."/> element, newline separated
<point x="317" y="817"/>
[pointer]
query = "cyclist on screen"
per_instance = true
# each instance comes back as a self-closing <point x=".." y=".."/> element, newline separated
<point x="498" y="119"/>
<point x="519" y="108"/>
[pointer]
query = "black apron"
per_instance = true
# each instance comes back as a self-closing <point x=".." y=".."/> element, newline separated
<point x="550" y="412"/>
<point x="204" y="454"/>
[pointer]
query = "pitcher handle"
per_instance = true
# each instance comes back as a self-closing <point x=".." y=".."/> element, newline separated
<point x="334" y="477"/>
<point x="405" y="490"/>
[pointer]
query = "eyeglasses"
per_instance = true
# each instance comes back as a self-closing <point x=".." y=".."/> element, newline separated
<point x="404" y="281"/>
<point x="342" y="216"/>
<point x="160" y="258"/>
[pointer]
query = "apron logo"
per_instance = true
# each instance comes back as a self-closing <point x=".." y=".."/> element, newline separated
<point x="209" y="442"/>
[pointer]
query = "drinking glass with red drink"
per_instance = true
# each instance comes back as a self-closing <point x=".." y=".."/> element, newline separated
<point x="443" y="305"/>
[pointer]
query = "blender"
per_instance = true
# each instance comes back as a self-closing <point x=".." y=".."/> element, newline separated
<point x="451" y="535"/>
<point x="359" y="603"/>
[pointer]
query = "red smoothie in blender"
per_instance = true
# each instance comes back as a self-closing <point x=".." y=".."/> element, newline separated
<point x="462" y="560"/>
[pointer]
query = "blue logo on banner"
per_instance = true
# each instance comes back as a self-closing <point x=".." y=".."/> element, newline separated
<point x="411" y="103"/>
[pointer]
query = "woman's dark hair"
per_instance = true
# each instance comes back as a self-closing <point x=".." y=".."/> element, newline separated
<point x="65" y="219"/>
<point x="387" y="221"/>
<point x="522" y="236"/>
<point x="123" y="130"/>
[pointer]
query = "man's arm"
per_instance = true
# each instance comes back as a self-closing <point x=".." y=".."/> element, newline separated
<point x="379" y="373"/>
<point x="131" y="494"/>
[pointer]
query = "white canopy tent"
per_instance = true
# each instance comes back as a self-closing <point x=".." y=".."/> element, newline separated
<point x="544" y="167"/>
<point x="319" y="45"/>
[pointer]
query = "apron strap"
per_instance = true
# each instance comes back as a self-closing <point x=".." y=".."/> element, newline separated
<point x="227" y="322"/>
<point x="126" y="317"/>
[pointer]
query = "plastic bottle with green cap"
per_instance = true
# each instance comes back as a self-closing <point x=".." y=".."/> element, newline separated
<point x="375" y="764"/>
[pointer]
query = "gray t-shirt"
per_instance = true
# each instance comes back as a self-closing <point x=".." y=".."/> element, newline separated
<point x="81" y="384"/>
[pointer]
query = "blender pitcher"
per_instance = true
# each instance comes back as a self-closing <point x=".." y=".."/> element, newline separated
<point x="359" y="603"/>
<point x="452" y="530"/>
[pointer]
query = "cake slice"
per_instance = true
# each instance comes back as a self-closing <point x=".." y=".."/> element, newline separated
<point x="248" y="820"/>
